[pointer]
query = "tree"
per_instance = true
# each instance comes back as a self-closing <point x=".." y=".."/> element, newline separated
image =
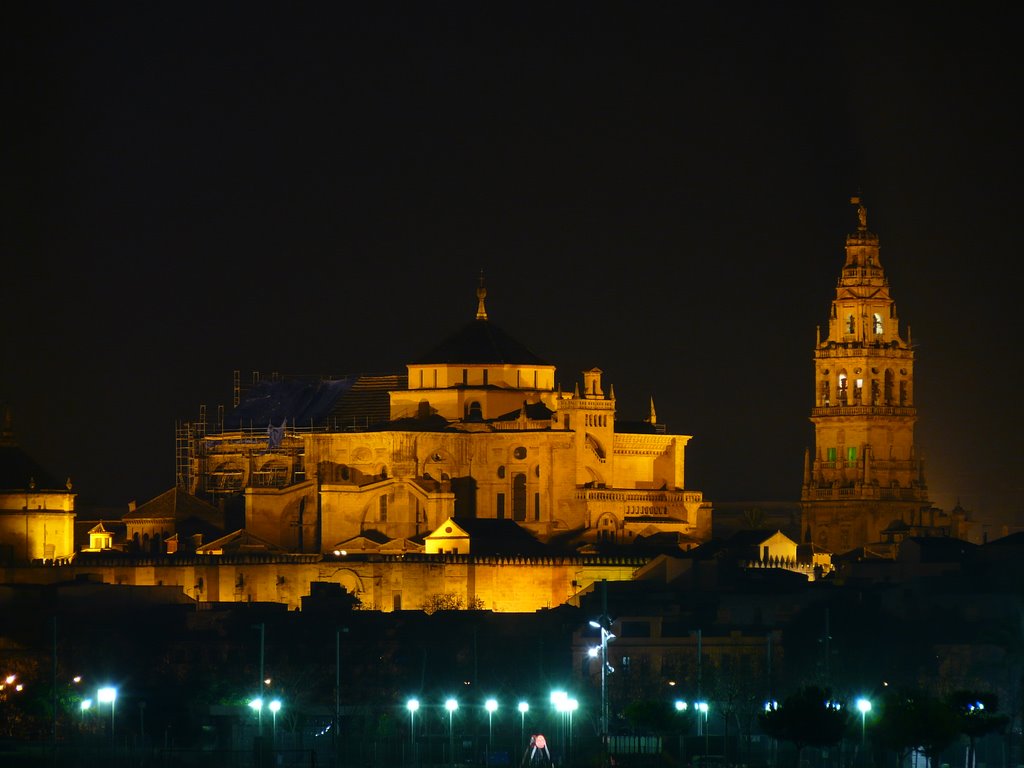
<point x="650" y="716"/>
<point x="449" y="601"/>
<point x="806" y="718"/>
<point x="976" y="715"/>
<point x="914" y="719"/>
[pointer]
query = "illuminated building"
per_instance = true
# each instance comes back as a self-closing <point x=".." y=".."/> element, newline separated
<point x="476" y="429"/>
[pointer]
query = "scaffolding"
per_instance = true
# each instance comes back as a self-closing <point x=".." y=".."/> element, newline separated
<point x="183" y="447"/>
<point x="187" y="436"/>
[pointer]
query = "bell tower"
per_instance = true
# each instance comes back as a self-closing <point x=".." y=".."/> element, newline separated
<point x="864" y="472"/>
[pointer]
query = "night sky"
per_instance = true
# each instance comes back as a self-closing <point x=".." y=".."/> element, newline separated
<point x="657" y="189"/>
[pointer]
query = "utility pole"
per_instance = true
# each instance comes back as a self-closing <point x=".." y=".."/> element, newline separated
<point x="336" y="728"/>
<point x="54" y="734"/>
<point x="259" y="688"/>
<point x="828" y="652"/>
<point x="602" y="625"/>
<point x="337" y="685"/>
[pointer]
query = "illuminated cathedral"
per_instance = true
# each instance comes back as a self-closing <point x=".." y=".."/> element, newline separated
<point x="477" y="429"/>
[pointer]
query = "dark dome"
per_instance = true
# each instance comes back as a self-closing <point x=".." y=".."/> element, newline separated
<point x="480" y="342"/>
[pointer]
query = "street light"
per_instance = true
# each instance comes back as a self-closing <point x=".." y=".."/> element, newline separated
<point x="702" y="709"/>
<point x="558" y="699"/>
<point x="84" y="706"/>
<point x="863" y="706"/>
<point x="275" y="707"/>
<point x="451" y="705"/>
<point x="256" y="705"/>
<point x="490" y="705"/>
<point x="571" y="706"/>
<point x="681" y="706"/>
<point x="108" y="695"/>
<point x="413" y="706"/>
<point x="606" y="636"/>
<point x="524" y="707"/>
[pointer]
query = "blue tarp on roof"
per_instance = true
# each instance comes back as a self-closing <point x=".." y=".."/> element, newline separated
<point x="303" y="402"/>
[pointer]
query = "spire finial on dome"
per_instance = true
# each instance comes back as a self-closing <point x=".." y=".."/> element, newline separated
<point x="481" y="294"/>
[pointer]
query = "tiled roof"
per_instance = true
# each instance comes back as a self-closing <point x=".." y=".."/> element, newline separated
<point x="176" y="504"/>
<point x="499" y="537"/>
<point x="239" y="541"/>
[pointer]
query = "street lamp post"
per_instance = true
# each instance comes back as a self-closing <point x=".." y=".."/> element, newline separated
<point x="108" y="695"/>
<point x="606" y="636"/>
<point x="524" y="707"/>
<point x="259" y="689"/>
<point x="773" y="745"/>
<point x="413" y="706"/>
<point x="558" y="699"/>
<point x="256" y="705"/>
<point x="490" y="705"/>
<point x="702" y="709"/>
<point x="275" y="707"/>
<point x="863" y="706"/>
<point x="571" y="706"/>
<point x="451" y="705"/>
<point x="682" y="706"/>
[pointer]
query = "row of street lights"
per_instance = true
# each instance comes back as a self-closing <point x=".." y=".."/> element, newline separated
<point x="562" y="703"/>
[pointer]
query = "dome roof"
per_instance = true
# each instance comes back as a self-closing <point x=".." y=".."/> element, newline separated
<point x="481" y="341"/>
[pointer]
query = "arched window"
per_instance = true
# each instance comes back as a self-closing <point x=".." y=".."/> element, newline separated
<point x="878" y="324"/>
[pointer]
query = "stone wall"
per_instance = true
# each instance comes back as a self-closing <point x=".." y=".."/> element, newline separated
<point x="383" y="583"/>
